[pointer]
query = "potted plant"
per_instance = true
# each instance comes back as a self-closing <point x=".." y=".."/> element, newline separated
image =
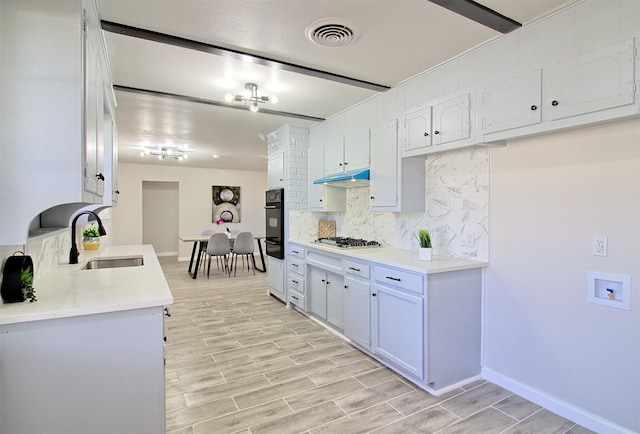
<point x="91" y="238"/>
<point x="26" y="283"/>
<point x="424" y="241"/>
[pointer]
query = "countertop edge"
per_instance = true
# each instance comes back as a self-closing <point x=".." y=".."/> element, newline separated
<point x="400" y="258"/>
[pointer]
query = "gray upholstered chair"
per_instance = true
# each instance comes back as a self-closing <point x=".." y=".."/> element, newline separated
<point x="218" y="246"/>
<point x="243" y="246"/>
<point x="203" y="249"/>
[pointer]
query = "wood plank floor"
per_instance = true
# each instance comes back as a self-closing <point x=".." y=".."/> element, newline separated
<point x="239" y="361"/>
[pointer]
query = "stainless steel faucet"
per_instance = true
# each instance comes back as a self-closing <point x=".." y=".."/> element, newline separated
<point x="73" y="254"/>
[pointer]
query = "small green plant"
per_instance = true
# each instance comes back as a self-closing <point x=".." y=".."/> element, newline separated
<point x="424" y="238"/>
<point x="26" y="282"/>
<point x="91" y="232"/>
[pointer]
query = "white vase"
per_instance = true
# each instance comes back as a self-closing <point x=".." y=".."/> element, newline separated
<point x="424" y="253"/>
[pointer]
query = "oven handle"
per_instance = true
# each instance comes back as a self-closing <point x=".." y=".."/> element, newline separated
<point x="271" y="207"/>
<point x="271" y="242"/>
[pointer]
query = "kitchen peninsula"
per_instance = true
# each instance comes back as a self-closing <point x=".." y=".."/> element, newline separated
<point x="420" y="318"/>
<point x="89" y="354"/>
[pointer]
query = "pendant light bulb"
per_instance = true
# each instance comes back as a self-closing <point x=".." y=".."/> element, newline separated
<point x="254" y="107"/>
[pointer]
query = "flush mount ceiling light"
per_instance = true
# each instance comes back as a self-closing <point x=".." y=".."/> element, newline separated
<point x="163" y="153"/>
<point x="250" y="97"/>
<point x="330" y="32"/>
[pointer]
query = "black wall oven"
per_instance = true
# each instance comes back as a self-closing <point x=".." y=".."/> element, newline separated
<point x="274" y="207"/>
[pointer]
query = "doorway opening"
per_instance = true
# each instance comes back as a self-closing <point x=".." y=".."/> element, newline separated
<point x="160" y="216"/>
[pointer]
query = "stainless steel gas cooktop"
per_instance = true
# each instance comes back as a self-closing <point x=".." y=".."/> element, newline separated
<point x="347" y="243"/>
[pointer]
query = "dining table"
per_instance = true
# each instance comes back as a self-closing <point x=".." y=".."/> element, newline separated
<point x="200" y="243"/>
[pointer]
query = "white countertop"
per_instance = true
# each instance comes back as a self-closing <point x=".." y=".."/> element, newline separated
<point x="68" y="291"/>
<point x="405" y="259"/>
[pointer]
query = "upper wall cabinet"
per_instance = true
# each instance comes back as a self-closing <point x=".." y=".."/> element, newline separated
<point x="511" y="103"/>
<point x="347" y="153"/>
<point x="593" y="87"/>
<point x="395" y="185"/>
<point x="322" y="197"/>
<point x="441" y="125"/>
<point x="55" y="90"/>
<point x="275" y="171"/>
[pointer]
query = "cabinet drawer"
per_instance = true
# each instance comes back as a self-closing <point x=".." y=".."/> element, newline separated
<point x="398" y="278"/>
<point x="296" y="282"/>
<point x="296" y="266"/>
<point x="297" y="300"/>
<point x="296" y="251"/>
<point x="356" y="269"/>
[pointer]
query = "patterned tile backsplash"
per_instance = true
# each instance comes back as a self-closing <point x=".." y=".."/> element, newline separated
<point x="457" y="210"/>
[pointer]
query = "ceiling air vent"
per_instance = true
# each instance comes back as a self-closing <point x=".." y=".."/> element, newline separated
<point x="329" y="32"/>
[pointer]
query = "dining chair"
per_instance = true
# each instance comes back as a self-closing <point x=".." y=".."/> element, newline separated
<point x="203" y="248"/>
<point x="218" y="246"/>
<point x="242" y="246"/>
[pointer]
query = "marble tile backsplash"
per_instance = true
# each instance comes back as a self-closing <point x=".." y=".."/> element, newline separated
<point x="457" y="210"/>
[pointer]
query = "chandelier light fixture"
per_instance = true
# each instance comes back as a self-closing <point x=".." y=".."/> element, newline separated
<point x="250" y="97"/>
<point x="164" y="153"/>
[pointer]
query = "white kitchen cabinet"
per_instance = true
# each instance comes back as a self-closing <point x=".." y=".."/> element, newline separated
<point x="511" y="103"/>
<point x="321" y="197"/>
<point x="394" y="186"/>
<point x="441" y="125"/>
<point x="275" y="171"/>
<point x="346" y="154"/>
<point x="452" y="122"/>
<point x="275" y="271"/>
<point x="383" y="186"/>
<point x="296" y="271"/>
<point x="45" y="125"/>
<point x="596" y="81"/>
<point x="100" y="373"/>
<point x="594" y="87"/>
<point x="417" y="129"/>
<point x="325" y="293"/>
<point x="398" y="319"/>
<point x="357" y="304"/>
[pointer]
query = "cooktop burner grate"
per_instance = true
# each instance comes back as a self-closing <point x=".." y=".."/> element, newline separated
<point x="347" y="242"/>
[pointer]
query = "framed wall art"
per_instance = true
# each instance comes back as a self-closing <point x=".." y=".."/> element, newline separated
<point x="225" y="204"/>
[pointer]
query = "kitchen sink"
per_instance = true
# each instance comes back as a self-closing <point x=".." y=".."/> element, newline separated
<point x="95" y="264"/>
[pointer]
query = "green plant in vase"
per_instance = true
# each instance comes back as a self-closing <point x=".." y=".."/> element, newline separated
<point x="26" y="282"/>
<point x="424" y="241"/>
<point x="91" y="238"/>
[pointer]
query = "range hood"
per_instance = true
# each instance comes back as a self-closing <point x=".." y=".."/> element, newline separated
<point x="356" y="178"/>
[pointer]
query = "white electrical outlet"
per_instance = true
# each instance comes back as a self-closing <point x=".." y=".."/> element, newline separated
<point x="599" y="246"/>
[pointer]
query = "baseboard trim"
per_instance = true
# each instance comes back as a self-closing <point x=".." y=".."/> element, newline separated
<point x="556" y="405"/>
<point x="167" y="254"/>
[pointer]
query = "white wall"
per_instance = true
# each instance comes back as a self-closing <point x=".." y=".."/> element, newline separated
<point x="194" y="198"/>
<point x="549" y="196"/>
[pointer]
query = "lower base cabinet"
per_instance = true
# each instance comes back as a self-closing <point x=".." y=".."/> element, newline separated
<point x="275" y="271"/>
<point x="357" y="311"/>
<point x="100" y="374"/>
<point x="398" y="328"/>
<point x="326" y="295"/>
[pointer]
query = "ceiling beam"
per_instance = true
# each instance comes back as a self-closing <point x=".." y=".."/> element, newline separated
<point x="480" y="14"/>
<point x="176" y="41"/>
<point x="212" y="102"/>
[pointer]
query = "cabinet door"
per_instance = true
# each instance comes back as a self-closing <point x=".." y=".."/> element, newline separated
<point x="90" y="113"/>
<point x="316" y="191"/>
<point x="398" y="328"/>
<point x="417" y="129"/>
<point x="335" y="290"/>
<point x="276" y="277"/>
<point x="383" y="186"/>
<point x="600" y="80"/>
<point x="452" y="120"/>
<point x="333" y="158"/>
<point x="356" y="151"/>
<point x="512" y="103"/>
<point x="318" y="292"/>
<point x="275" y="168"/>
<point x="357" y="311"/>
